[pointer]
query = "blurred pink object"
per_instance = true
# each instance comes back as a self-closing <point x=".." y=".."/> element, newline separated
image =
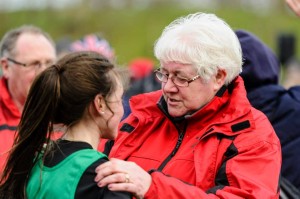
<point x="94" y="43"/>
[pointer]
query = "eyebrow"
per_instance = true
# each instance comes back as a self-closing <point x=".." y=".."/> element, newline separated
<point x="176" y="72"/>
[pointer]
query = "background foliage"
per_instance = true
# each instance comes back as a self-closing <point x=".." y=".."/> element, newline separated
<point x="132" y="31"/>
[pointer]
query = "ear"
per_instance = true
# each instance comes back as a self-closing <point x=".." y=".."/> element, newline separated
<point x="99" y="103"/>
<point x="219" y="79"/>
<point x="4" y="65"/>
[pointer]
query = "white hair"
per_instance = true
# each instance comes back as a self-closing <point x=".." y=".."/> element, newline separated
<point x="204" y="41"/>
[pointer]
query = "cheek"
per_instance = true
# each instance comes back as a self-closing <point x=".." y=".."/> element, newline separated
<point x="192" y="102"/>
<point x="21" y="80"/>
<point x="27" y="81"/>
<point x="121" y="108"/>
<point x="26" y="77"/>
<point x="198" y="97"/>
<point x="113" y="125"/>
<point x="118" y="113"/>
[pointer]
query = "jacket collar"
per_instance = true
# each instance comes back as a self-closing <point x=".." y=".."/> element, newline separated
<point x="229" y="107"/>
<point x="7" y="106"/>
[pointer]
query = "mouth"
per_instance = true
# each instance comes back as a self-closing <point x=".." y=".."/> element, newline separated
<point x="172" y="101"/>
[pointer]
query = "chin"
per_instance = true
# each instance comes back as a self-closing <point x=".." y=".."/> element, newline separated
<point x="110" y="135"/>
<point x="176" y="114"/>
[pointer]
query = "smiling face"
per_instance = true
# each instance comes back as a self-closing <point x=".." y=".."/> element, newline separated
<point x="183" y="100"/>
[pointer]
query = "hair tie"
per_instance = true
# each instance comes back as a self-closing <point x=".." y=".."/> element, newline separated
<point x="58" y="68"/>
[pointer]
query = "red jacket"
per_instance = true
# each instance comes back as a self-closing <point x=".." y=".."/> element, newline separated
<point x="228" y="148"/>
<point x="9" y="119"/>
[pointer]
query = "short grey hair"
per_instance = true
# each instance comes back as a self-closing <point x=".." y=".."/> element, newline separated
<point x="8" y="42"/>
<point x="204" y="41"/>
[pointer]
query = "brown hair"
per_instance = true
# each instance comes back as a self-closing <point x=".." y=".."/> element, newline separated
<point x="60" y="94"/>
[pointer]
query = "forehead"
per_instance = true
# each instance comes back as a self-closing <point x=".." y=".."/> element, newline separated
<point x="34" y="44"/>
<point x="177" y="67"/>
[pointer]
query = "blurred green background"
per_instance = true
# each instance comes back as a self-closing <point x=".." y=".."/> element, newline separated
<point x="132" y="30"/>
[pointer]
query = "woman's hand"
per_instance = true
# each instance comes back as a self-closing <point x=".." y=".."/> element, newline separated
<point x="121" y="175"/>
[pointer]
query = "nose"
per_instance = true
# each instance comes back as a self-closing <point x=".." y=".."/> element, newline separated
<point x="169" y="86"/>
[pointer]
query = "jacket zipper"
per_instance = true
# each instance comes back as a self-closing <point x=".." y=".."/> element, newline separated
<point x="172" y="154"/>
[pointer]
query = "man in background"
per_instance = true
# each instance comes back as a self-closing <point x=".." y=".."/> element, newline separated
<point x="24" y="52"/>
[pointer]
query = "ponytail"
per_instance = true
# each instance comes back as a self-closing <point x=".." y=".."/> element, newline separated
<point x="34" y="131"/>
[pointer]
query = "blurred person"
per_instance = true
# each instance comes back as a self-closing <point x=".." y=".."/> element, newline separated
<point x="292" y="73"/>
<point x="294" y="5"/>
<point x="261" y="71"/>
<point x="142" y="77"/>
<point x="143" y="80"/>
<point x="83" y="91"/>
<point x="198" y="137"/>
<point x="25" y="52"/>
<point x="140" y="67"/>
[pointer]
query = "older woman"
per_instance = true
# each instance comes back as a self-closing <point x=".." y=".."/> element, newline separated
<point x="198" y="137"/>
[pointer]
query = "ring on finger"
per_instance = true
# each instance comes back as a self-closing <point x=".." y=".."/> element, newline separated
<point x="127" y="179"/>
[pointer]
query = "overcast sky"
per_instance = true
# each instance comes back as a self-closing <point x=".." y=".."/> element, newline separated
<point x="12" y="5"/>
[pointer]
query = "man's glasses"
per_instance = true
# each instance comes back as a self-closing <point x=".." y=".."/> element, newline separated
<point x="178" y="81"/>
<point x="35" y="64"/>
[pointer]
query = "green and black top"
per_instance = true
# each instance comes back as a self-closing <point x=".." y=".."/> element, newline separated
<point x="69" y="173"/>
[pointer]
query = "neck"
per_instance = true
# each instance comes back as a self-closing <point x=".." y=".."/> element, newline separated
<point x="19" y="106"/>
<point x="83" y="132"/>
<point x="18" y="100"/>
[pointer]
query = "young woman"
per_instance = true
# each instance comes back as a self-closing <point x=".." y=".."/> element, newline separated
<point x="83" y="91"/>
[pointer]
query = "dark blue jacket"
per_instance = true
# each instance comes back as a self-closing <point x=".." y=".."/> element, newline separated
<point x="261" y="73"/>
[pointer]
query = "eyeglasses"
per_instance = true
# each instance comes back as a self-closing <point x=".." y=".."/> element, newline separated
<point x="178" y="81"/>
<point x="35" y="64"/>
